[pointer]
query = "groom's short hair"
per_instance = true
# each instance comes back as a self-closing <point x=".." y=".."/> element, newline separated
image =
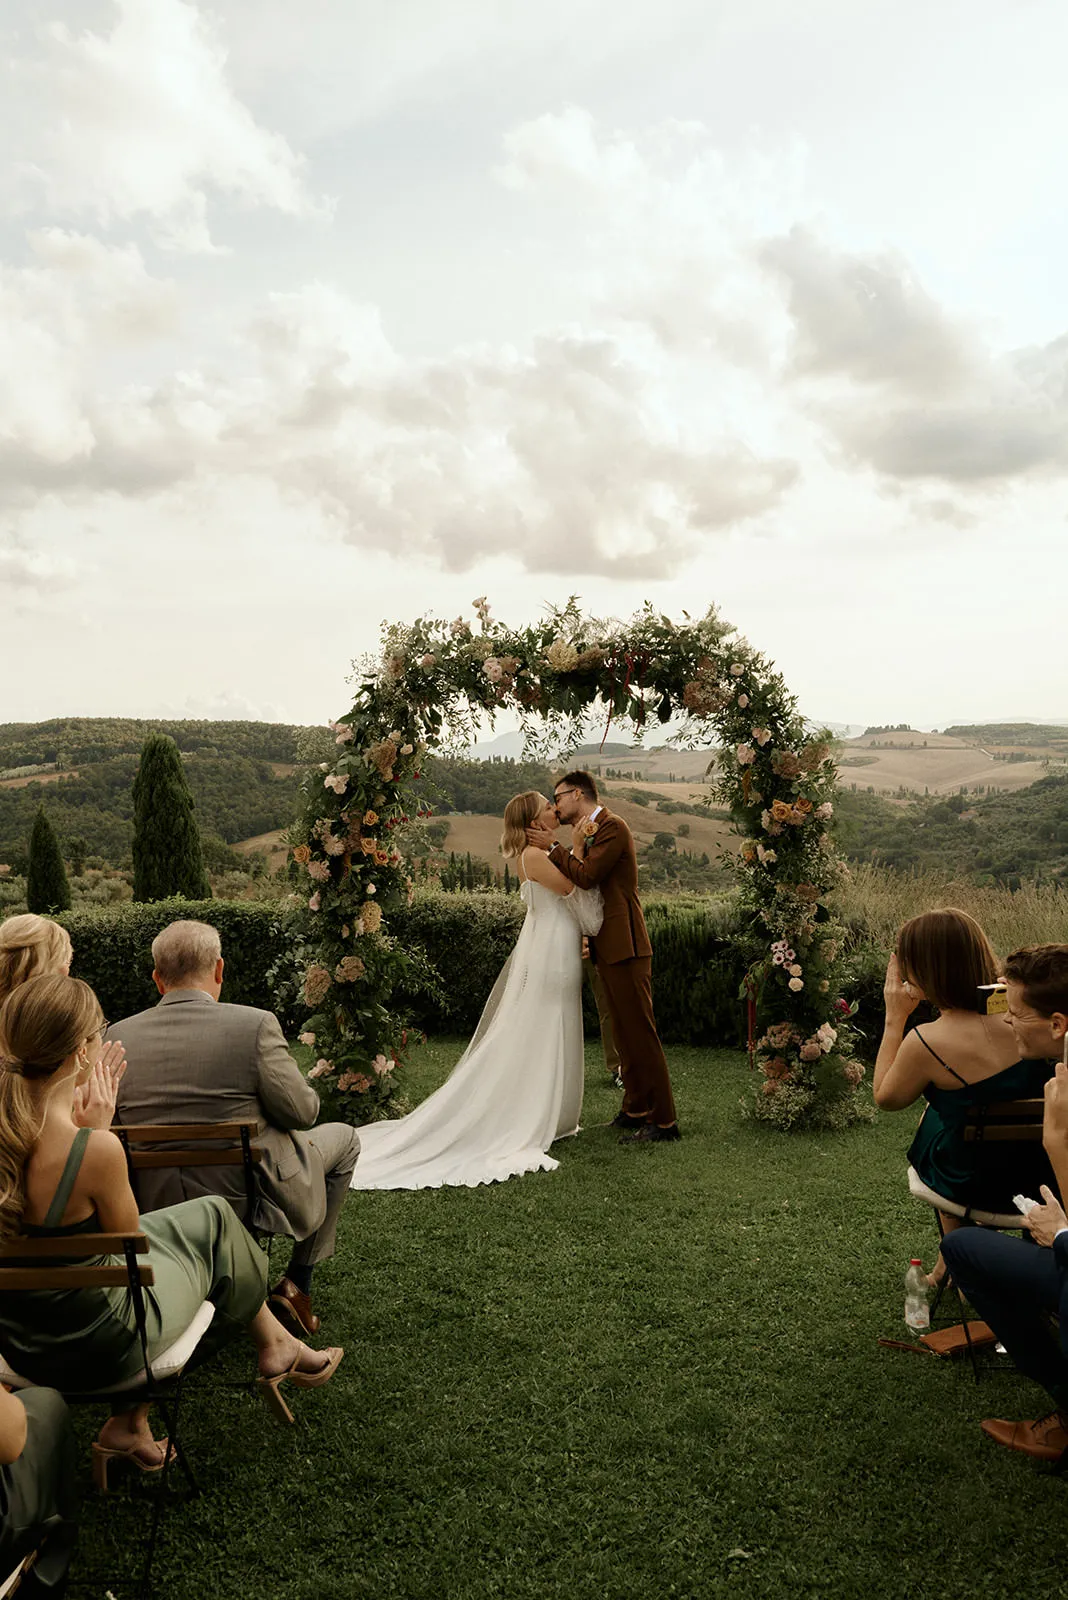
<point x="579" y="780"/>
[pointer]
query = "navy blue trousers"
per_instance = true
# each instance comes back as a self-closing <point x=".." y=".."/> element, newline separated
<point x="1013" y="1285"/>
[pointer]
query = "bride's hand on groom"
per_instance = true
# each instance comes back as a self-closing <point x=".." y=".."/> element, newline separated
<point x="541" y="838"/>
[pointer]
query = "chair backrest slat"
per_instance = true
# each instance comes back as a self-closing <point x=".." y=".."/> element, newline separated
<point x="74" y="1246"/>
<point x="114" y="1277"/>
<point x="149" y="1133"/>
<point x="142" y="1159"/>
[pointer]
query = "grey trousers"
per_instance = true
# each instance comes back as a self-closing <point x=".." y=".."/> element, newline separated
<point x="38" y="1498"/>
<point x="338" y="1146"/>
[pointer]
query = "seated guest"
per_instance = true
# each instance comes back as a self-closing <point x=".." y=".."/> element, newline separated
<point x="962" y="1060"/>
<point x="38" y="1504"/>
<point x="1014" y="1286"/>
<point x="31" y="946"/>
<point x="58" y="1180"/>
<point x="196" y="1060"/>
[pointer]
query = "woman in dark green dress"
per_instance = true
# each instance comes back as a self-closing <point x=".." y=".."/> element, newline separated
<point x="961" y="1060"/>
<point x="57" y="1178"/>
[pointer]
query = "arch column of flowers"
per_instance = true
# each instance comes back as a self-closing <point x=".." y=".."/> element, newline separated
<point x="777" y="779"/>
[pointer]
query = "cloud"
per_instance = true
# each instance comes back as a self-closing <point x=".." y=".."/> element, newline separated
<point x="903" y="386"/>
<point x="32" y="570"/>
<point x="142" y="121"/>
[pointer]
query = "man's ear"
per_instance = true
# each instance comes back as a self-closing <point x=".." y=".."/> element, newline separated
<point x="218" y="973"/>
<point x="158" y="981"/>
<point x="1058" y="1025"/>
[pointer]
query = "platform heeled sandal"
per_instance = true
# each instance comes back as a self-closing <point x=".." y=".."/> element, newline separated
<point x="103" y="1454"/>
<point x="271" y="1388"/>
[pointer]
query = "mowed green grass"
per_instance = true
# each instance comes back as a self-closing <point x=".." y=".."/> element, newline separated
<point x="651" y="1373"/>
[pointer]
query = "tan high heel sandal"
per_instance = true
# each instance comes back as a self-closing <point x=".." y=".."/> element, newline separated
<point x="103" y="1454"/>
<point x="271" y="1390"/>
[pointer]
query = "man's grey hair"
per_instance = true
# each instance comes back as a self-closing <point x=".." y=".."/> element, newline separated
<point x="186" y="950"/>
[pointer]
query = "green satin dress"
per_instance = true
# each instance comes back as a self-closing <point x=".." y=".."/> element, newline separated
<point x="982" y="1175"/>
<point x="198" y="1251"/>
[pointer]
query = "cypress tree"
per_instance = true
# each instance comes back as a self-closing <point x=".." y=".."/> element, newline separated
<point x="167" y="857"/>
<point x="47" y="889"/>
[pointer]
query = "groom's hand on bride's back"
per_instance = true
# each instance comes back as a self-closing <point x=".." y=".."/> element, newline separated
<point x="541" y="838"/>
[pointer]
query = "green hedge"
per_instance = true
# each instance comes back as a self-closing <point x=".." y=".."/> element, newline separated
<point x="699" y="959"/>
<point x="113" y="952"/>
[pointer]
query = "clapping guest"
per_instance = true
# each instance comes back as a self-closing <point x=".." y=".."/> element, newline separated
<point x="961" y="1060"/>
<point x="57" y="1179"/>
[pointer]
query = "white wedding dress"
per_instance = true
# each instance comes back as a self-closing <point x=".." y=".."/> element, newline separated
<point x="518" y="1085"/>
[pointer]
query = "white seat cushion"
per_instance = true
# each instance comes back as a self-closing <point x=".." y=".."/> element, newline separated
<point x="168" y="1364"/>
<point x="952" y="1208"/>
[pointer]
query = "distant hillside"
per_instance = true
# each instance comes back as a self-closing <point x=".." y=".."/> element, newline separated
<point x="1001" y="838"/>
<point x="1014" y="735"/>
<point x="71" y="741"/>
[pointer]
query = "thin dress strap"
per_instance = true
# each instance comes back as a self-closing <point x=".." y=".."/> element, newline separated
<point x="962" y="1081"/>
<point x="61" y="1198"/>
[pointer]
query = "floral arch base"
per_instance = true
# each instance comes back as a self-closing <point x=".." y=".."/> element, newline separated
<point x="777" y="779"/>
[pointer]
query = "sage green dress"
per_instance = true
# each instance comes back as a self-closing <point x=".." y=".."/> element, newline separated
<point x="75" y="1339"/>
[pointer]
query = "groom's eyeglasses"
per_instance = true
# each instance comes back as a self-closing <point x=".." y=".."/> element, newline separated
<point x="558" y="794"/>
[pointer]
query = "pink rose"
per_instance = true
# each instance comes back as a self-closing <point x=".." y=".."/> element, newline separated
<point x="336" y="781"/>
<point x="306" y="1038"/>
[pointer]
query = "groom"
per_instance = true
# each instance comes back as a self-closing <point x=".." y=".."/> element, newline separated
<point x="604" y="858"/>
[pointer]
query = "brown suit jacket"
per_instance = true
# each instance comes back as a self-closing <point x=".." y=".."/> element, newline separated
<point x="611" y="865"/>
<point x="192" y="1059"/>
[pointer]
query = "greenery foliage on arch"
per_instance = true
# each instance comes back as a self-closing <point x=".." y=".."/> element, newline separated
<point x="437" y="678"/>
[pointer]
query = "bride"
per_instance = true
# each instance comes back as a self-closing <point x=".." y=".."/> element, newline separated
<point x="518" y="1085"/>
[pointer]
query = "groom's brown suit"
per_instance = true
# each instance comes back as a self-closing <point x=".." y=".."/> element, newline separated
<point x="624" y="961"/>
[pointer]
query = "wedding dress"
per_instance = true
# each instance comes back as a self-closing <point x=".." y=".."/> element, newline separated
<point x="518" y="1085"/>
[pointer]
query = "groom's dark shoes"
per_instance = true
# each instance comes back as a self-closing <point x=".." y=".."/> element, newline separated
<point x="621" y="1120"/>
<point x="293" y="1308"/>
<point x="649" y="1133"/>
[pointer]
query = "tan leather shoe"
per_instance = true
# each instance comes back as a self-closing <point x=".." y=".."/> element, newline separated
<point x="1046" y="1439"/>
<point x="293" y="1308"/>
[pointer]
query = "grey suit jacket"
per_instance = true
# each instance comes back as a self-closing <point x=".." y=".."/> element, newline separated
<point x="192" y="1059"/>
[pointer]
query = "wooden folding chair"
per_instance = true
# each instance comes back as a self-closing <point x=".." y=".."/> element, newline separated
<point x="193" y="1144"/>
<point x="159" y="1381"/>
<point x="997" y="1127"/>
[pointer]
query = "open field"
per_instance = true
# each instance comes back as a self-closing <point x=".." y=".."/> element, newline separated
<point x="271" y="845"/>
<point x="651" y="1373"/>
<point x="942" y="768"/>
<point x="40" y="777"/>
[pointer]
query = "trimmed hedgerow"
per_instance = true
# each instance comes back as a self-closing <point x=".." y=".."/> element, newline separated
<point x="113" y="952"/>
<point x="699" y="959"/>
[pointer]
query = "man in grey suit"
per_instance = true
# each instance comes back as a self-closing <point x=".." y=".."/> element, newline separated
<point x="192" y="1059"/>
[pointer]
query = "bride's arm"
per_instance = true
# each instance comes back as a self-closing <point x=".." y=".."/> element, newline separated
<point x="536" y="865"/>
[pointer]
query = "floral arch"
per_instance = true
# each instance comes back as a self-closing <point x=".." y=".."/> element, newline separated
<point x="777" y="779"/>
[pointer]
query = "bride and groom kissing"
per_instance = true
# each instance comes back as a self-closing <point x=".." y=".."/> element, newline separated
<point x="518" y="1085"/>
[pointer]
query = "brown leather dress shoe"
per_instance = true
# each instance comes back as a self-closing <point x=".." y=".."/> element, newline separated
<point x="293" y="1308"/>
<point x="1046" y="1439"/>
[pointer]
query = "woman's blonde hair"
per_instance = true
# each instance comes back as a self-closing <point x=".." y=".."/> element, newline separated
<point x="947" y="953"/>
<point x="42" y="1024"/>
<point x="519" y="813"/>
<point x="29" y="946"/>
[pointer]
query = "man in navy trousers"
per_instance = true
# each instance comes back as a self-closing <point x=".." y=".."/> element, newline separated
<point x="1015" y="1284"/>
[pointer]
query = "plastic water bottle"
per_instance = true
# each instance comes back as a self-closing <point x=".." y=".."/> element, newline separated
<point x="917" y="1311"/>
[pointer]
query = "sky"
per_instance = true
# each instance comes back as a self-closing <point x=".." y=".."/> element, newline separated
<point x="317" y="316"/>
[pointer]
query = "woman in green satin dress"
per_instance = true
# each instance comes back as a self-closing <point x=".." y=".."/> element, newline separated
<point x="961" y="1060"/>
<point x="57" y="1178"/>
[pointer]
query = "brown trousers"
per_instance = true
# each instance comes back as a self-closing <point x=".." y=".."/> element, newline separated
<point x="604" y="1017"/>
<point x="646" y="1085"/>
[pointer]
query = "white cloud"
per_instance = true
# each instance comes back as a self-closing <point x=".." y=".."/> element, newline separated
<point x="142" y="121"/>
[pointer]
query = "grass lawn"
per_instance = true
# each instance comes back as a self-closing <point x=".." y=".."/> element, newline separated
<point x="651" y="1373"/>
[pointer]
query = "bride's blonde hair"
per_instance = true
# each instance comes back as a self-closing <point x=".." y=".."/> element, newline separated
<point x="519" y="813"/>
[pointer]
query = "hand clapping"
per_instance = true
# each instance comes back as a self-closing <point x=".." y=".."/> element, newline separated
<point x="1046" y="1221"/>
<point x="900" y="998"/>
<point x="94" y="1100"/>
<point x="1055" y="1116"/>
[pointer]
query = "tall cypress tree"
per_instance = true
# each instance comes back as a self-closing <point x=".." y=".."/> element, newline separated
<point x="47" y="889"/>
<point x="167" y="857"/>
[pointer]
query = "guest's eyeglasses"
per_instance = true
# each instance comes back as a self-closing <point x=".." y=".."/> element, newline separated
<point x="102" y="1030"/>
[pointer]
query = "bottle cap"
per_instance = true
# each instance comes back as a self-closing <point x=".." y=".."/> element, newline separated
<point x="914" y="1261"/>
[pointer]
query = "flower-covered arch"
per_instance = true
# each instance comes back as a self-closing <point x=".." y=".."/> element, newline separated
<point x="777" y="779"/>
